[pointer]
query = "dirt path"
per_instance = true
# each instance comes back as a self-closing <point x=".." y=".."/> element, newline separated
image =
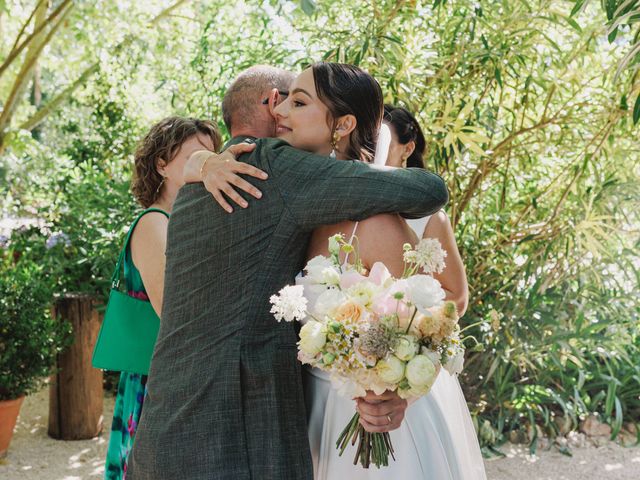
<point x="35" y="456"/>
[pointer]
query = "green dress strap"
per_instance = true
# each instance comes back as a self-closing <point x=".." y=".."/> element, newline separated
<point x="132" y="278"/>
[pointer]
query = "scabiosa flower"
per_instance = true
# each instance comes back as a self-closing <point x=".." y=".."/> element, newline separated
<point x="290" y="304"/>
<point x="4" y="241"/>
<point x="57" y="238"/>
<point x="377" y="341"/>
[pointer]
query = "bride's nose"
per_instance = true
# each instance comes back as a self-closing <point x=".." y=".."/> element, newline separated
<point x="282" y="110"/>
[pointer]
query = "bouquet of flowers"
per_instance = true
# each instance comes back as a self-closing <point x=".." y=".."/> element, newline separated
<point x="371" y="331"/>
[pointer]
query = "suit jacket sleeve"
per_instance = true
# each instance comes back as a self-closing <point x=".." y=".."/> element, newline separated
<point x="320" y="190"/>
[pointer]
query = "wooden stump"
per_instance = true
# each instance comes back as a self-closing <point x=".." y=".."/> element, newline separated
<point x="75" y="392"/>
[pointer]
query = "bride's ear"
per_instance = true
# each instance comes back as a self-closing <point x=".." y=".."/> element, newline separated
<point x="346" y="124"/>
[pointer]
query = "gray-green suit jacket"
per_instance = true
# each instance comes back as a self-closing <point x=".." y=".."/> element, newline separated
<point x="225" y="397"/>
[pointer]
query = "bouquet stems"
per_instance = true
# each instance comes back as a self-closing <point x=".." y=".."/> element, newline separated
<point x="372" y="447"/>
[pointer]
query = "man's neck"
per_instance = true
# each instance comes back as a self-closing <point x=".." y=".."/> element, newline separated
<point x="247" y="132"/>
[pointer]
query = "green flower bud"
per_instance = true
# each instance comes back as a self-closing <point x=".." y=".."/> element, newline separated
<point x="328" y="358"/>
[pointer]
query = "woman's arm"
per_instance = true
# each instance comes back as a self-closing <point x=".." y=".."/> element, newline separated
<point x="454" y="278"/>
<point x="148" y="245"/>
<point x="220" y="174"/>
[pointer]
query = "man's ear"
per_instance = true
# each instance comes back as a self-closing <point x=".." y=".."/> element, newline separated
<point x="346" y="124"/>
<point x="273" y="101"/>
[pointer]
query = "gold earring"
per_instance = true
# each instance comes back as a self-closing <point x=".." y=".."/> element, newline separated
<point x="160" y="186"/>
<point x="335" y="139"/>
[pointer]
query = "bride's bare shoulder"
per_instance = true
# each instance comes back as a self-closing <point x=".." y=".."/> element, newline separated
<point x="389" y="225"/>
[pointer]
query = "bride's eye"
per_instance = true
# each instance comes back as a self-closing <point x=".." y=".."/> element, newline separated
<point x="297" y="103"/>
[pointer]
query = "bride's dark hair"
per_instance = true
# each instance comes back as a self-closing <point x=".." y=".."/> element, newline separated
<point x="349" y="90"/>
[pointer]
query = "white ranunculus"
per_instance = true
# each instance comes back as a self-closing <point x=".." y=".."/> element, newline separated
<point x="390" y="369"/>
<point x="322" y="270"/>
<point x="364" y="292"/>
<point x="424" y="292"/>
<point x="406" y="347"/>
<point x="421" y="372"/>
<point x="455" y="363"/>
<point x="312" y="290"/>
<point x="312" y="338"/>
<point x="328" y="302"/>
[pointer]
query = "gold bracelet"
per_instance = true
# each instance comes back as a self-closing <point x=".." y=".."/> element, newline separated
<point x="202" y="167"/>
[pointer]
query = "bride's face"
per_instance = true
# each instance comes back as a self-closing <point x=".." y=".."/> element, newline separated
<point x="301" y="120"/>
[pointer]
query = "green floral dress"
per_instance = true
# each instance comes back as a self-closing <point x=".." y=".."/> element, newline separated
<point x="131" y="390"/>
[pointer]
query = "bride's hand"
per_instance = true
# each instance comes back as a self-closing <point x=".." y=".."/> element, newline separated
<point x="381" y="413"/>
<point x="220" y="174"/>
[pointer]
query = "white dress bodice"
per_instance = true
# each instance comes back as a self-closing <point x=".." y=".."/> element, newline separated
<point x="436" y="440"/>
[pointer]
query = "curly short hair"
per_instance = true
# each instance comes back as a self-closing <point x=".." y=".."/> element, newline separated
<point x="163" y="142"/>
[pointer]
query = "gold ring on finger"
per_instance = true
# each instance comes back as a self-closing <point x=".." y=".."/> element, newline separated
<point x="389" y="418"/>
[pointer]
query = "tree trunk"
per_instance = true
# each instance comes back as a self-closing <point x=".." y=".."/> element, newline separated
<point x="75" y="391"/>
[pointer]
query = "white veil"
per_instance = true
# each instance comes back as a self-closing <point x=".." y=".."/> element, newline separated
<point x="382" y="147"/>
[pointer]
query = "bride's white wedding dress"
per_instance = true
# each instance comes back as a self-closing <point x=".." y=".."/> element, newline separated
<point x="436" y="440"/>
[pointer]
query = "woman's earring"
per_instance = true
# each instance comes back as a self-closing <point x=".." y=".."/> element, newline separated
<point x="334" y="144"/>
<point x="160" y="186"/>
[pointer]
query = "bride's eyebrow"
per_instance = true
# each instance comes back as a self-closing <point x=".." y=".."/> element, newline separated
<point x="301" y="90"/>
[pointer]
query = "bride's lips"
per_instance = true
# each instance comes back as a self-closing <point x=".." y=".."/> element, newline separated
<point x="281" y="129"/>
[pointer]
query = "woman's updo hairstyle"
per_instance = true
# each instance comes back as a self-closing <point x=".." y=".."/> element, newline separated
<point x="349" y="90"/>
<point x="407" y="129"/>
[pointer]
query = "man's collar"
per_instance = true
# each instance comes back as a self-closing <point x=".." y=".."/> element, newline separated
<point x="239" y="139"/>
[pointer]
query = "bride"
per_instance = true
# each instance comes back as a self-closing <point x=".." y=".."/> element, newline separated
<point x="336" y="109"/>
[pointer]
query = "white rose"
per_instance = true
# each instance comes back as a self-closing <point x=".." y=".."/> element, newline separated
<point x="322" y="270"/>
<point x="328" y="302"/>
<point x="391" y="369"/>
<point x="455" y="363"/>
<point x="424" y="292"/>
<point x="406" y="347"/>
<point x="421" y="372"/>
<point x="312" y="338"/>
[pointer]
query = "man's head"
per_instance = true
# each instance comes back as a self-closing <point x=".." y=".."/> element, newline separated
<point x="247" y="107"/>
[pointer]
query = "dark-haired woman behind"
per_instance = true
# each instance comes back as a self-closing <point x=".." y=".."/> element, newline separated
<point x="406" y="150"/>
<point x="159" y="163"/>
<point x="445" y="403"/>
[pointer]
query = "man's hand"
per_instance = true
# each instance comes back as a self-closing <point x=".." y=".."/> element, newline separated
<point x="381" y="413"/>
<point x="220" y="174"/>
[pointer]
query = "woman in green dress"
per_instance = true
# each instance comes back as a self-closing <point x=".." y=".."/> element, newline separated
<point x="159" y="163"/>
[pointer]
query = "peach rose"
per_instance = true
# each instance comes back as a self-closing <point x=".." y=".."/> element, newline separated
<point x="349" y="311"/>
